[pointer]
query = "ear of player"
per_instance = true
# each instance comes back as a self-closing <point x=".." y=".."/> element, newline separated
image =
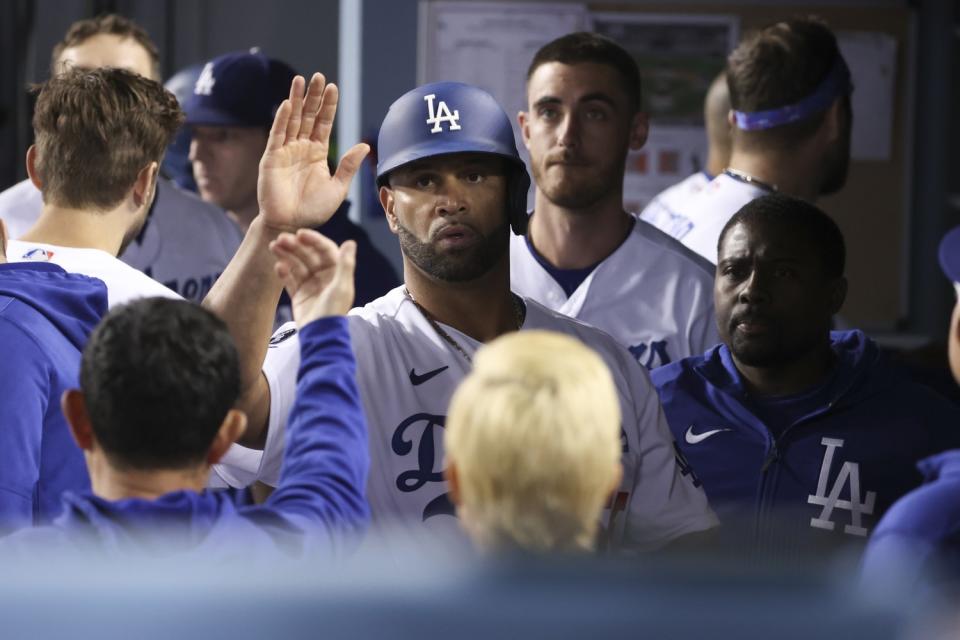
<point x="295" y="188"/>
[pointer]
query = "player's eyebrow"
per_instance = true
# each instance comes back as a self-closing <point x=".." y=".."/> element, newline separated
<point x="599" y="96"/>
<point x="774" y="260"/>
<point x="546" y="100"/>
<point x="723" y="262"/>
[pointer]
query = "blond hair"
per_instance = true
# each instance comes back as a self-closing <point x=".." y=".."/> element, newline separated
<point x="534" y="433"/>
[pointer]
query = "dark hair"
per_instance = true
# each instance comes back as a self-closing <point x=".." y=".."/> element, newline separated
<point x="108" y="24"/>
<point x="800" y="216"/>
<point x="581" y="47"/>
<point x="96" y="130"/>
<point x="159" y="376"/>
<point x="777" y="66"/>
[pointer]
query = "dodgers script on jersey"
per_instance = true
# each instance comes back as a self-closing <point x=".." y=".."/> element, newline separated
<point x="407" y="374"/>
<point x="185" y="244"/>
<point x="708" y="211"/>
<point x="663" y="211"/>
<point x="652" y="294"/>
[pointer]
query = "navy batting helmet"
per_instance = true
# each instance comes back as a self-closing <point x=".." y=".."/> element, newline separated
<point x="451" y="117"/>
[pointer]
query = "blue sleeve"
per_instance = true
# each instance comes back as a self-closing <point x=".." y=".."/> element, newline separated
<point x="323" y="483"/>
<point x="23" y="403"/>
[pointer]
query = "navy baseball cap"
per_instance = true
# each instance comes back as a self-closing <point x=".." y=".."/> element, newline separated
<point x="950" y="254"/>
<point x="239" y="89"/>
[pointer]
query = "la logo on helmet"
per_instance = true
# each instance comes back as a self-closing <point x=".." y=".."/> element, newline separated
<point x="442" y="114"/>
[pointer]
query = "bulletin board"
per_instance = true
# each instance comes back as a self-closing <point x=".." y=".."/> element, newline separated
<point x="872" y="209"/>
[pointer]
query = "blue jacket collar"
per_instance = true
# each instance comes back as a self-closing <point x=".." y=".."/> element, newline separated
<point x="857" y="356"/>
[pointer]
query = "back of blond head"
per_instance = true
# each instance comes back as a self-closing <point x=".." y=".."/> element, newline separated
<point x="534" y="432"/>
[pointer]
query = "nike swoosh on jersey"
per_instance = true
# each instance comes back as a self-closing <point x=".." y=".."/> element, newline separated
<point x="694" y="438"/>
<point x="280" y="337"/>
<point x="417" y="380"/>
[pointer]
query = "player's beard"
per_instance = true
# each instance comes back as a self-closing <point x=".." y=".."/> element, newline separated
<point x="461" y="265"/>
<point x="582" y="187"/>
<point x="776" y="350"/>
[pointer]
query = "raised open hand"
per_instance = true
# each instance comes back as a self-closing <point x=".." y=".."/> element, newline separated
<point x="317" y="275"/>
<point x="295" y="188"/>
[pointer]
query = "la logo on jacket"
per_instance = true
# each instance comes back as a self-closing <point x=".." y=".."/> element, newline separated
<point x="849" y="474"/>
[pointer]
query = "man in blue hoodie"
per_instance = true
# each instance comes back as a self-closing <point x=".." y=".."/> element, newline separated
<point x="46" y="316"/>
<point x="801" y="437"/>
<point x="920" y="535"/>
<point x="158" y="380"/>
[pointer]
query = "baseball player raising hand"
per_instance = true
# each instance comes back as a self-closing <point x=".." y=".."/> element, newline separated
<point x="451" y="184"/>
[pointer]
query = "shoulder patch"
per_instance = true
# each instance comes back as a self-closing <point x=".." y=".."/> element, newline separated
<point x="38" y="254"/>
<point x="277" y="338"/>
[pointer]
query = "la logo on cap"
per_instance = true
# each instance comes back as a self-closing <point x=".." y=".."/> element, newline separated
<point x="204" y="85"/>
<point x="442" y="114"/>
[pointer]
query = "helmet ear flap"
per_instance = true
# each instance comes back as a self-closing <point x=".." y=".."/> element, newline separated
<point x="517" y="189"/>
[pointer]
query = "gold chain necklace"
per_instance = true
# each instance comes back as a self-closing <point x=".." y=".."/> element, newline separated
<point x="746" y="178"/>
<point x="519" y="312"/>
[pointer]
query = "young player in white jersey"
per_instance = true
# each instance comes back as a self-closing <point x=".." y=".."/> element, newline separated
<point x="663" y="211"/>
<point x="183" y="246"/>
<point x="790" y="93"/>
<point x="185" y="243"/>
<point x="89" y="217"/>
<point x="583" y="255"/>
<point x="447" y="168"/>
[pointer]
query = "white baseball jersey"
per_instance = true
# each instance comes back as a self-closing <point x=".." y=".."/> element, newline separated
<point x="652" y="294"/>
<point x="240" y="466"/>
<point x="123" y="282"/>
<point x="709" y="210"/>
<point x="185" y="244"/>
<point x="407" y="374"/>
<point x="662" y="211"/>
